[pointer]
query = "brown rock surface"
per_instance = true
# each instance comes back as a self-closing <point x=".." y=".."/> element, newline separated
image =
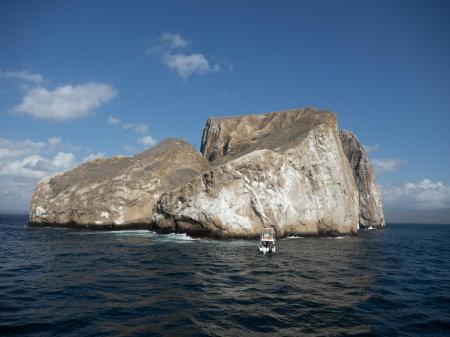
<point x="282" y="169"/>
<point x="116" y="192"/>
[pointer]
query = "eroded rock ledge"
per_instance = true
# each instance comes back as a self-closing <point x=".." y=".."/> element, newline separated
<point x="292" y="170"/>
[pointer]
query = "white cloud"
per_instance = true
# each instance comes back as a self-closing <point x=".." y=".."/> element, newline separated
<point x="386" y="165"/>
<point x="145" y="138"/>
<point x="187" y="65"/>
<point x="54" y="141"/>
<point x="425" y="194"/>
<point x="63" y="160"/>
<point x="174" y="40"/>
<point x="183" y="64"/>
<point x="10" y="149"/>
<point x="147" y="141"/>
<point x="66" y="102"/>
<point x="36" y="166"/>
<point x="140" y="128"/>
<point x="372" y="148"/>
<point x="22" y="75"/>
<point x="113" y="120"/>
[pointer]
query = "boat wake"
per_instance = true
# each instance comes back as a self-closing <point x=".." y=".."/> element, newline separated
<point x="141" y="233"/>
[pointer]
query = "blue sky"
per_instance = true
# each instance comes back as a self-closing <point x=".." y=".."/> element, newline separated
<point x="80" y="79"/>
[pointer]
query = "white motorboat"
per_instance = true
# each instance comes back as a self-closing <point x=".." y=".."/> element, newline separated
<point x="267" y="244"/>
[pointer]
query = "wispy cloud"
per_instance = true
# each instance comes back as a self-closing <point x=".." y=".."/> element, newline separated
<point x="372" y="148"/>
<point x="425" y="194"/>
<point x="182" y="63"/>
<point x="174" y="40"/>
<point x="147" y="141"/>
<point x="140" y="128"/>
<point x="382" y="165"/>
<point x="54" y="142"/>
<point x="188" y="65"/>
<point x="22" y="75"/>
<point x="65" y="102"/>
<point x="145" y="138"/>
<point x="113" y="120"/>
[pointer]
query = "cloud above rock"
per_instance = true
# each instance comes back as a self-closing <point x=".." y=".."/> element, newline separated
<point x="184" y="64"/>
<point x="141" y="129"/>
<point x="382" y="165"/>
<point x="66" y="102"/>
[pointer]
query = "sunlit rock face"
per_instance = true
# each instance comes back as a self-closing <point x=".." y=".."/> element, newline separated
<point x="292" y="170"/>
<point x="370" y="206"/>
<point x="118" y="192"/>
<point x="282" y="169"/>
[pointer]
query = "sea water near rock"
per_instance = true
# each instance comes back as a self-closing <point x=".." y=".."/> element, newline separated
<point x="390" y="282"/>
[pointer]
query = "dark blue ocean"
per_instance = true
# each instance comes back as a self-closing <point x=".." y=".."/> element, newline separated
<point x="59" y="282"/>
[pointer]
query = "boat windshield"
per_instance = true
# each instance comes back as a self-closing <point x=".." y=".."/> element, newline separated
<point x="267" y="234"/>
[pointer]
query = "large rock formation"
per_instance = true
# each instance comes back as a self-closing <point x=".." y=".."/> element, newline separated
<point x="370" y="208"/>
<point x="283" y="169"/>
<point x="292" y="170"/>
<point x="118" y="192"/>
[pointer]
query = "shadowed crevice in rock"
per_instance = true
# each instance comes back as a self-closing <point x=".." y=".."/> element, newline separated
<point x="370" y="206"/>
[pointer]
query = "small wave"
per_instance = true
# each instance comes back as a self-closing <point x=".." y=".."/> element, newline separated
<point x="177" y="237"/>
<point x="339" y="237"/>
<point x="293" y="237"/>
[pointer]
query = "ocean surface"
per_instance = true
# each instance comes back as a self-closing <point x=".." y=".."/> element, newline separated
<point x="59" y="282"/>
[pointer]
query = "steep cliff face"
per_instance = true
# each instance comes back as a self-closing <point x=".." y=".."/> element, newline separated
<point x="371" y="210"/>
<point x="283" y="169"/>
<point x="116" y="192"/>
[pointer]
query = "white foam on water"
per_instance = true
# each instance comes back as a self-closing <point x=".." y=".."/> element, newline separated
<point x="177" y="237"/>
<point x="172" y="237"/>
<point x="339" y="237"/>
<point x="293" y="237"/>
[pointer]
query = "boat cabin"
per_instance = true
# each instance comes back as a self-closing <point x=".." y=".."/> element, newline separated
<point x="267" y="243"/>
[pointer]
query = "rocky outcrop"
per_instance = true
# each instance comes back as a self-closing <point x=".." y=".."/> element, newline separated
<point x="283" y="169"/>
<point x="291" y="170"/>
<point x="370" y="207"/>
<point x="118" y="192"/>
<point x="226" y="138"/>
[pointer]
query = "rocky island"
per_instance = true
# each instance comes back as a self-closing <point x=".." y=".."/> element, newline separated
<point x="293" y="170"/>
